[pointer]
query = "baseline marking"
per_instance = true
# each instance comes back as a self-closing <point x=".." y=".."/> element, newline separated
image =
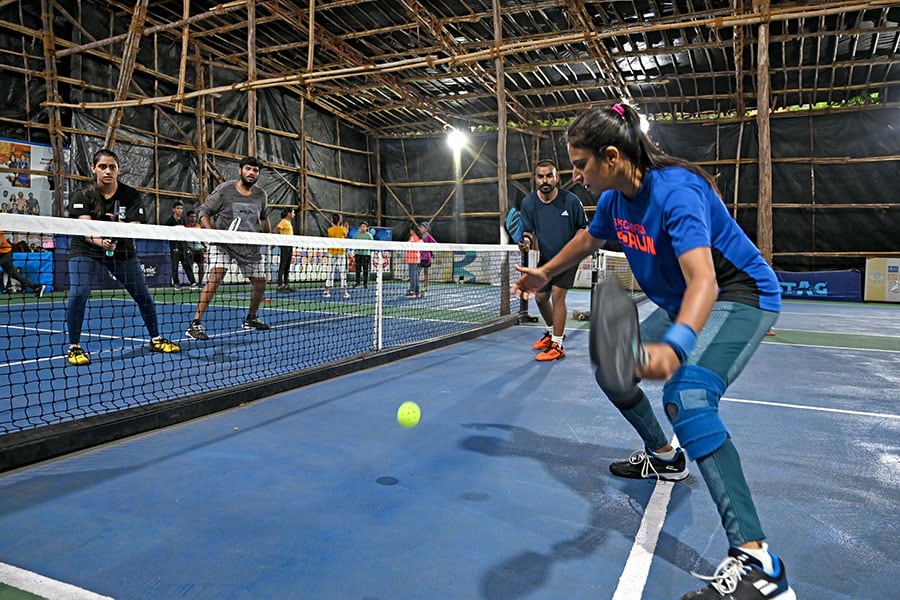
<point x="44" y="586"/>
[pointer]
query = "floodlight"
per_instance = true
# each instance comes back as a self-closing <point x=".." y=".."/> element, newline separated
<point x="456" y="139"/>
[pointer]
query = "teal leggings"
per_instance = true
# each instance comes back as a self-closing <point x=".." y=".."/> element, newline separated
<point x="728" y="340"/>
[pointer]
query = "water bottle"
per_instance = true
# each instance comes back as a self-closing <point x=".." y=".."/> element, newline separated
<point x="115" y="217"/>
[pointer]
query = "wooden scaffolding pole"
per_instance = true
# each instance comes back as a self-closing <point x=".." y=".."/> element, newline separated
<point x="251" y="77"/>
<point x="303" y="200"/>
<point x="202" y="148"/>
<point x="502" y="188"/>
<point x="764" y="203"/>
<point x="56" y="134"/>
<point x="185" y="39"/>
<point x="379" y="196"/>
<point x="213" y="11"/>
<point x="129" y="56"/>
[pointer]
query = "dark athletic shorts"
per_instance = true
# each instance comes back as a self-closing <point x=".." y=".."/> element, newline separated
<point x="564" y="280"/>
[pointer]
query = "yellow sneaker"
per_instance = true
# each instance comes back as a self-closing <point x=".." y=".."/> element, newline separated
<point x="161" y="344"/>
<point x="77" y="356"/>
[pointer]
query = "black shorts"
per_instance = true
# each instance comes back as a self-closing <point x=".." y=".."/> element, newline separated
<point x="564" y="280"/>
<point x="425" y="263"/>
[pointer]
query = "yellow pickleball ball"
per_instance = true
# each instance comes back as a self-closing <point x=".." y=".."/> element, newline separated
<point x="409" y="414"/>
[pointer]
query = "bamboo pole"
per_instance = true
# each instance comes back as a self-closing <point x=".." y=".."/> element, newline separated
<point x="185" y="39"/>
<point x="764" y="209"/>
<point x="129" y="56"/>
<point x="502" y="187"/>
<point x="379" y="196"/>
<point x="214" y="11"/>
<point x="737" y="169"/>
<point x="311" y="40"/>
<point x="156" y="132"/>
<point x="56" y="136"/>
<point x="200" y="115"/>
<point x="251" y="77"/>
<point x="304" y="183"/>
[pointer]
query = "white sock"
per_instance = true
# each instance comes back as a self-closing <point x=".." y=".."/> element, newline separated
<point x="763" y="556"/>
<point x="557" y="338"/>
<point x="667" y="455"/>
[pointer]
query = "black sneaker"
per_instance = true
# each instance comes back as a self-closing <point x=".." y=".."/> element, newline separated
<point x="741" y="577"/>
<point x="254" y="323"/>
<point x="197" y="332"/>
<point x="646" y="465"/>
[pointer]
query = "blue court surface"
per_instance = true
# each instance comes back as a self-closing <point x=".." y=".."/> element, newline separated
<point x="501" y="492"/>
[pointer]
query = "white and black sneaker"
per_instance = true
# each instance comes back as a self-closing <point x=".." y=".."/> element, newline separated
<point x="741" y="577"/>
<point x="643" y="464"/>
<point x="197" y="332"/>
<point x="254" y="323"/>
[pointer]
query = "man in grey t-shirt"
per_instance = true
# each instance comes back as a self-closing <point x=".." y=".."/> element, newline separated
<point x="237" y="205"/>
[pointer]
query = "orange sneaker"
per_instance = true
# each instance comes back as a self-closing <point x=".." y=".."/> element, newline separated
<point x="544" y="342"/>
<point x="554" y="352"/>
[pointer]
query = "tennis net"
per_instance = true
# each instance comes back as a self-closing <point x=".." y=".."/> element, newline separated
<point x="300" y="332"/>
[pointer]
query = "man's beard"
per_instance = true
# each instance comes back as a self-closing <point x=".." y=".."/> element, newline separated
<point x="248" y="184"/>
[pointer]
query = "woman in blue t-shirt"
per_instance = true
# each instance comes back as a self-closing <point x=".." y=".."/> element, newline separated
<point x="717" y="298"/>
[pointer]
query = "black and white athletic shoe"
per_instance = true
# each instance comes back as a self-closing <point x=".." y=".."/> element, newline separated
<point x="741" y="577"/>
<point x="197" y="332"/>
<point x="254" y="323"/>
<point x="646" y="465"/>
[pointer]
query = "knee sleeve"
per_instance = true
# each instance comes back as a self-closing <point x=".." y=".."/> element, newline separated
<point x="691" y="400"/>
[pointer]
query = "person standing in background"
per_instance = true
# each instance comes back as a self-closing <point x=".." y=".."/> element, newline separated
<point x="413" y="261"/>
<point x="180" y="251"/>
<point x="337" y="257"/>
<point x="6" y="263"/>
<point x="553" y="216"/>
<point x="425" y="256"/>
<point x="285" y="227"/>
<point x="198" y="249"/>
<point x="363" y="257"/>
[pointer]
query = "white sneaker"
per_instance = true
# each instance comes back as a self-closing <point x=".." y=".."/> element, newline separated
<point x="346" y="294"/>
<point x="327" y="295"/>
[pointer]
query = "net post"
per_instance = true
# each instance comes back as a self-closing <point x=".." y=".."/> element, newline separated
<point x="377" y="329"/>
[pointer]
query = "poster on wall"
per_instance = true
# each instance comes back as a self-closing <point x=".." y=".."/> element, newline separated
<point x="882" y="280"/>
<point x="27" y="193"/>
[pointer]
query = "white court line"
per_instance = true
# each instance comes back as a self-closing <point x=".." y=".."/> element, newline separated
<point x="814" y="408"/>
<point x="44" y="586"/>
<point x="637" y="567"/>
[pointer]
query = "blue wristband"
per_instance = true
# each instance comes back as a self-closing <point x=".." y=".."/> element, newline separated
<point x="682" y="339"/>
